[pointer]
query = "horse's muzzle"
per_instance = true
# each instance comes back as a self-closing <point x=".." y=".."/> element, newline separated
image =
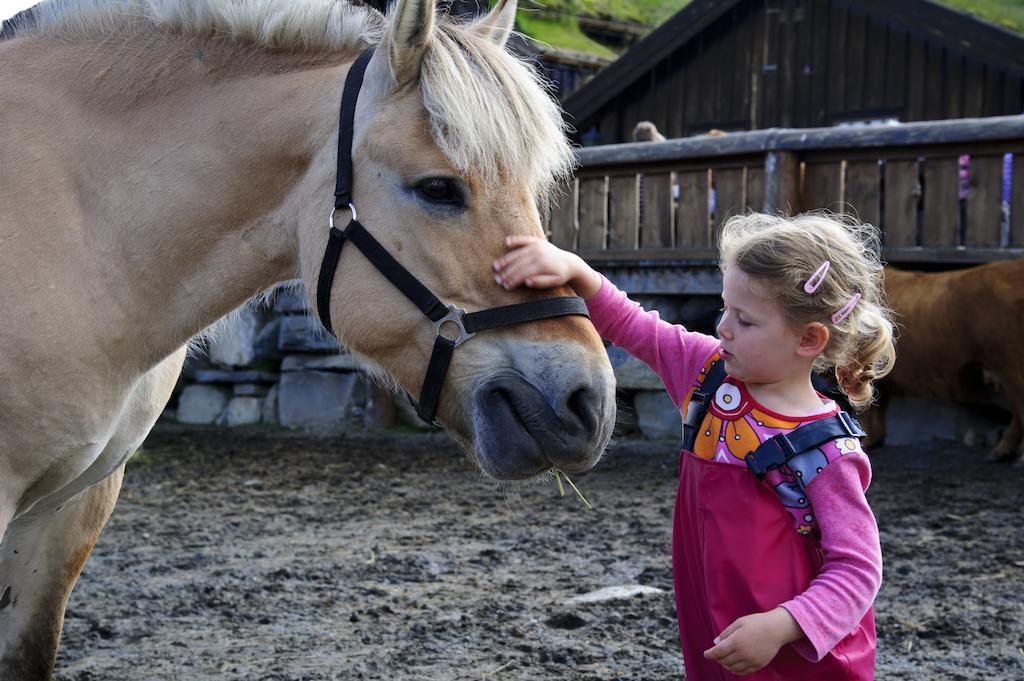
<point x="522" y="430"/>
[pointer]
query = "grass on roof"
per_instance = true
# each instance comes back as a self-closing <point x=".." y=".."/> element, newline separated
<point x="1006" y="13"/>
<point x="563" y="33"/>
<point x="648" y="12"/>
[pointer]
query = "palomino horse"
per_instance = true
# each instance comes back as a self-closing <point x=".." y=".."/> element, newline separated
<point x="166" y="160"/>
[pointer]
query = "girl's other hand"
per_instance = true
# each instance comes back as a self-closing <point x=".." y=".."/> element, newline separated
<point x="537" y="263"/>
<point x="751" y="642"/>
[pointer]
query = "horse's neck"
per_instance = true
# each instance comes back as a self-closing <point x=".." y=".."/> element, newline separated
<point x="187" y="176"/>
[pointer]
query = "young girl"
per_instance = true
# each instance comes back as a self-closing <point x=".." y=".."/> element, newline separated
<point x="775" y="555"/>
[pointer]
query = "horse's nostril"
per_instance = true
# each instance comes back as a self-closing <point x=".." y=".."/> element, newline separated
<point x="583" y="408"/>
<point x="501" y="395"/>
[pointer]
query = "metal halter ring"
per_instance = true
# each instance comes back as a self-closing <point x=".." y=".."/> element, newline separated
<point x="455" y="317"/>
<point x="351" y="207"/>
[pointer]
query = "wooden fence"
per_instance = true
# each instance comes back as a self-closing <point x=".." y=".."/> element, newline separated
<point x="941" y="192"/>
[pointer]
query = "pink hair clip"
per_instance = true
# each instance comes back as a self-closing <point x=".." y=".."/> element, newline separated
<point x="816" y="279"/>
<point x="844" y="312"/>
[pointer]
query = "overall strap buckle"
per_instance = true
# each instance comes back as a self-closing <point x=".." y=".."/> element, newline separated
<point x="700" y="402"/>
<point x="772" y="453"/>
<point x="777" y="450"/>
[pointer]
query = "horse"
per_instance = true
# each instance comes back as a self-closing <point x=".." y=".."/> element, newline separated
<point x="956" y="330"/>
<point x="164" y="161"/>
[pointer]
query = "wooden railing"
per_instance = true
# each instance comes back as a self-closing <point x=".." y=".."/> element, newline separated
<point x="936" y="189"/>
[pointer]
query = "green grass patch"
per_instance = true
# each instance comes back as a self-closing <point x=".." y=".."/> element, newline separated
<point x="554" y="22"/>
<point x="563" y="33"/>
<point x="649" y="12"/>
<point x="1006" y="13"/>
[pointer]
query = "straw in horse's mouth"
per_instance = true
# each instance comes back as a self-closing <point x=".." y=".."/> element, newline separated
<point x="559" y="474"/>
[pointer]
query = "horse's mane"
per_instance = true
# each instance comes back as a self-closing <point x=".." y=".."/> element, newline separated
<point x="491" y="112"/>
<point x="299" y="24"/>
<point x="488" y="111"/>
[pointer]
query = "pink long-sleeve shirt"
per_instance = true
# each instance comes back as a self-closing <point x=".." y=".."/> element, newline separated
<point x="835" y="507"/>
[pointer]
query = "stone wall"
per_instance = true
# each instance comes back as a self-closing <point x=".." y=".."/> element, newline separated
<point x="279" y="366"/>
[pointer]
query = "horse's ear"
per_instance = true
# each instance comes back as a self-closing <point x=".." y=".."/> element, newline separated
<point x="498" y="23"/>
<point x="408" y="37"/>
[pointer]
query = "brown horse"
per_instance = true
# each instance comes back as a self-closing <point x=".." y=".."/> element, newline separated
<point x="955" y="328"/>
<point x="163" y="161"/>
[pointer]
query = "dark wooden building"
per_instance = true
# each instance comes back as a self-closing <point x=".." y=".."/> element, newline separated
<point x="751" y="64"/>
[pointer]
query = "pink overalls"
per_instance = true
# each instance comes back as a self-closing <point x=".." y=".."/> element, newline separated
<point x="735" y="552"/>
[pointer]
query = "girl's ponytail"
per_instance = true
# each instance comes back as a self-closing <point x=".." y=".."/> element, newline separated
<point x="870" y="357"/>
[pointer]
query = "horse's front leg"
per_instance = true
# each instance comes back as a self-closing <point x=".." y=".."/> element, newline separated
<point x="1017" y="448"/>
<point x="41" y="557"/>
<point x="1006" y="448"/>
<point x="1012" y="385"/>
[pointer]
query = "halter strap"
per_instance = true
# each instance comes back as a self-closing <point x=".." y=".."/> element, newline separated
<point x="400" y="277"/>
<point x="349" y="96"/>
<point x="530" y="311"/>
<point x="342" y="186"/>
<point x="335" y="241"/>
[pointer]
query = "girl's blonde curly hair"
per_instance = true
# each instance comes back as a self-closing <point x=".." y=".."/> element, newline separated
<point x="784" y="252"/>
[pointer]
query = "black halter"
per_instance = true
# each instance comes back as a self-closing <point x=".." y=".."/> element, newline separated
<point x="435" y="310"/>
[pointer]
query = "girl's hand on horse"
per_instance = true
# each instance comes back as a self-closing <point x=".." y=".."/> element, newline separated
<point x="751" y="642"/>
<point x="535" y="262"/>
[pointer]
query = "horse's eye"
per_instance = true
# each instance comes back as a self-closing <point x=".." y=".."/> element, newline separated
<point x="440" y="190"/>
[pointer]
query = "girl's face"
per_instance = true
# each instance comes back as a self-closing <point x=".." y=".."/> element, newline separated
<point x="759" y="343"/>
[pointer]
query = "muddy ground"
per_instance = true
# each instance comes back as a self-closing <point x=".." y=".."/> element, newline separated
<point x="270" y="555"/>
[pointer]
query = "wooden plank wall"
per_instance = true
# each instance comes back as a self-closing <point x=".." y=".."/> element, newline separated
<point x="666" y="214"/>
<point x="938" y="203"/>
<point x="806" y="63"/>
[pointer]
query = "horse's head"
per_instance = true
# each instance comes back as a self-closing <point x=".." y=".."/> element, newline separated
<point x="455" y="144"/>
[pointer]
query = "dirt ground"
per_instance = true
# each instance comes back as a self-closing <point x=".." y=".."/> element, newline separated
<point x="272" y="555"/>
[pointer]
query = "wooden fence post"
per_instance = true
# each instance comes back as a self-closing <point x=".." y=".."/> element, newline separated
<point x="781" y="182"/>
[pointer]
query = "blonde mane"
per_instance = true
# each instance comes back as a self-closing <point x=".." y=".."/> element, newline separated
<point x="489" y="111"/>
<point x="275" y="24"/>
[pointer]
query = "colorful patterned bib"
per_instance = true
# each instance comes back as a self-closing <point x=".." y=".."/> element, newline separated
<point x="736" y="425"/>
